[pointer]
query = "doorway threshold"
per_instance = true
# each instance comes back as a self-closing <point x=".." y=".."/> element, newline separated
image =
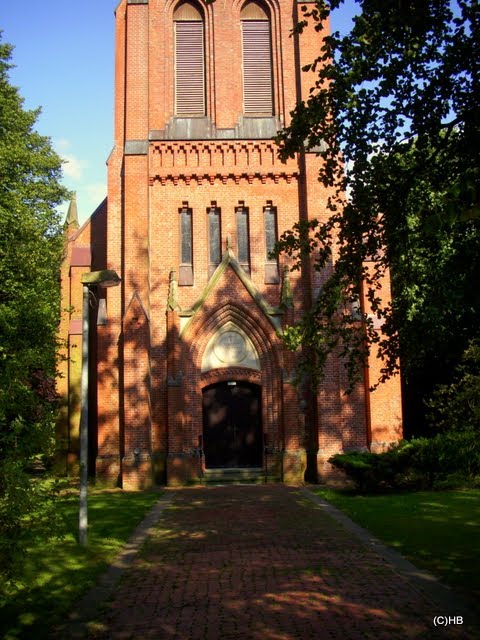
<point x="234" y="475"/>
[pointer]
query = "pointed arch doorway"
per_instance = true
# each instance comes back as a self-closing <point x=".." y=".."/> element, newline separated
<point x="232" y="425"/>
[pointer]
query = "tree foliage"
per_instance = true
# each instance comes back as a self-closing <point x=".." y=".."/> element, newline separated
<point x="30" y="254"/>
<point x="395" y="112"/>
<point x="456" y="406"/>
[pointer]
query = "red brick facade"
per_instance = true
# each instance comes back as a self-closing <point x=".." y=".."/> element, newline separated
<point x="159" y="349"/>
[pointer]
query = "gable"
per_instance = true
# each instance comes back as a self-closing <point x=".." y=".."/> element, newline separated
<point x="242" y="282"/>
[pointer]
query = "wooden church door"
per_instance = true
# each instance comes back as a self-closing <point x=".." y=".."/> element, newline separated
<point x="232" y="426"/>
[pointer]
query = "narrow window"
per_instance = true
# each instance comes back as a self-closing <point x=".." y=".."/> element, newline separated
<point x="185" y="275"/>
<point x="257" y="61"/>
<point x="189" y="61"/>
<point x="243" y="238"/>
<point x="271" y="264"/>
<point x="214" y="238"/>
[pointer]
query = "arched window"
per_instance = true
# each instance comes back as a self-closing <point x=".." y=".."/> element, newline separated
<point x="214" y="238"/>
<point x="186" y="246"/>
<point x="257" y="60"/>
<point x="243" y="237"/>
<point x="189" y="61"/>
<point x="271" y="237"/>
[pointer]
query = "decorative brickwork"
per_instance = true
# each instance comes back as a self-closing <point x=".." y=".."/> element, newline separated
<point x="165" y="174"/>
<point x="230" y="373"/>
<point x="211" y="162"/>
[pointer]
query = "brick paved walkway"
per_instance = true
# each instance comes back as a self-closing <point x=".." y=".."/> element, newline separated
<point x="261" y="563"/>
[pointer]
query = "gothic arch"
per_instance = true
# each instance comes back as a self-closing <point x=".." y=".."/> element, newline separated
<point x="265" y="341"/>
<point x="188" y="10"/>
<point x="254" y="10"/>
<point x="272" y="5"/>
<point x="171" y="6"/>
<point x="252" y="322"/>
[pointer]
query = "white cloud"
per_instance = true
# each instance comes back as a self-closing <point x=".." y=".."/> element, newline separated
<point x="73" y="167"/>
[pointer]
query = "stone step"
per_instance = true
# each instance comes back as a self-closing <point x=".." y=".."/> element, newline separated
<point x="253" y="475"/>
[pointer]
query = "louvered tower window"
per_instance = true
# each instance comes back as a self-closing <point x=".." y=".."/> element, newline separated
<point x="257" y="61"/>
<point x="189" y="61"/>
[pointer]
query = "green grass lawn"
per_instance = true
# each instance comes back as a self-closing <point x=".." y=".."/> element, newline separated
<point x="57" y="573"/>
<point x="436" y="530"/>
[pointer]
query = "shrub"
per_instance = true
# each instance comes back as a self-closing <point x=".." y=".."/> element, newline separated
<point x="450" y="459"/>
<point x="369" y="471"/>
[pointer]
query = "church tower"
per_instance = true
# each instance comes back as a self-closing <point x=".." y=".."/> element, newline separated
<point x="191" y="376"/>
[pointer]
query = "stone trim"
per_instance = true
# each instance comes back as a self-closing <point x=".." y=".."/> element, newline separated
<point x="136" y="147"/>
<point x="202" y="128"/>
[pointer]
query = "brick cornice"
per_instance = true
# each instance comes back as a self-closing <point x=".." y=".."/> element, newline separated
<point x="212" y="178"/>
<point x="224" y="161"/>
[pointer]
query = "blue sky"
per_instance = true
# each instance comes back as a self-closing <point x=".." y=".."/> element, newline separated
<point x="64" y="57"/>
<point x="64" y="53"/>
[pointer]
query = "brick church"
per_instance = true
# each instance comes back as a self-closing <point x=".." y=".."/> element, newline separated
<point x="188" y="373"/>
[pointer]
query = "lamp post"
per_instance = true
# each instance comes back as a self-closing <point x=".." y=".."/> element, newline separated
<point x="103" y="279"/>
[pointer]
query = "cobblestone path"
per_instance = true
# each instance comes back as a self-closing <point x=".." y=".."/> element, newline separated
<point x="261" y="563"/>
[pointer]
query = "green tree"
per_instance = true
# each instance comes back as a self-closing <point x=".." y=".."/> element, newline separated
<point x="30" y="254"/>
<point x="436" y="305"/>
<point x="394" y="111"/>
<point x="456" y="406"/>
